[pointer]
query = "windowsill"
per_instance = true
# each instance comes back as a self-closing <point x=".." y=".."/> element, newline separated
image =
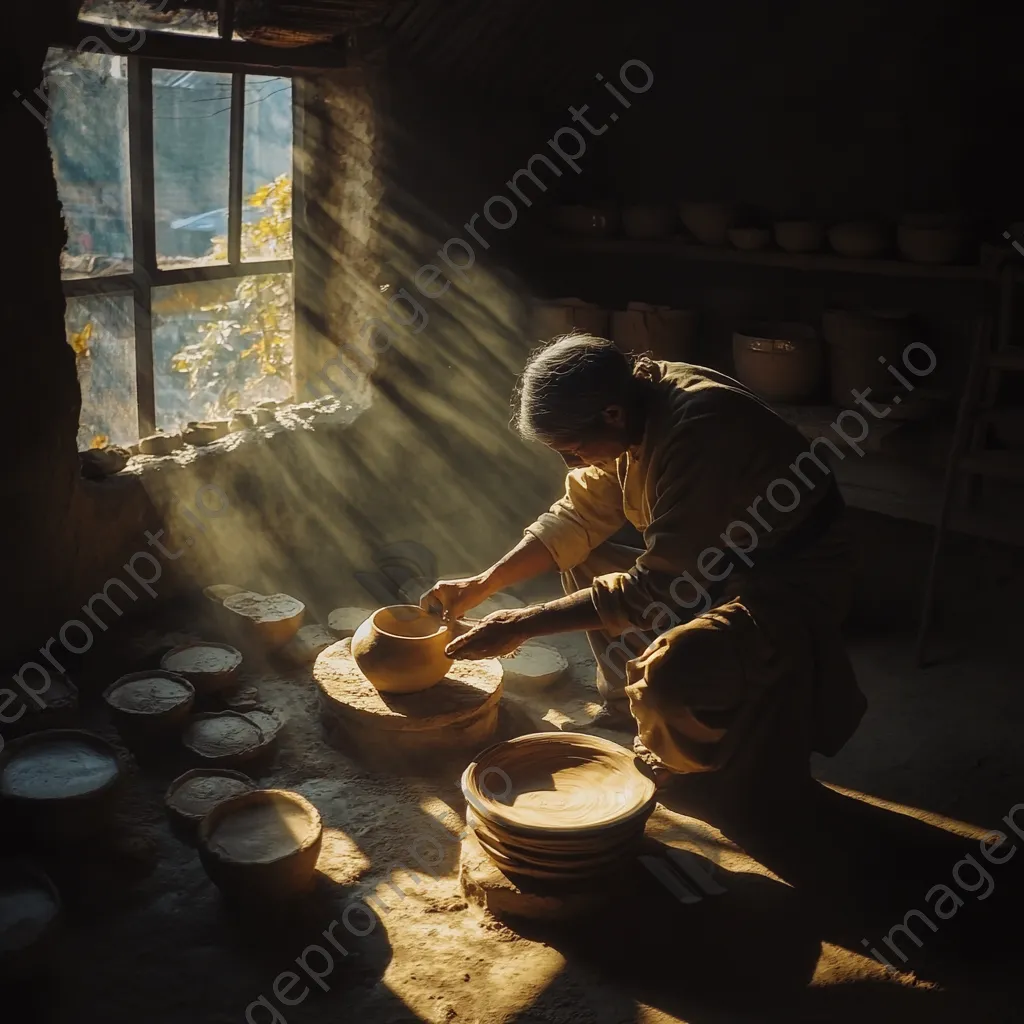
<point x="324" y="413"/>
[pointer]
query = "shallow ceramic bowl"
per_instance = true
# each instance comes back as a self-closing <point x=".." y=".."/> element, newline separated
<point x="30" y="919"/>
<point x="400" y="649"/>
<point x="61" y="783"/>
<point x="709" y="223"/>
<point x="642" y="222"/>
<point x="219" y="672"/>
<point x="190" y="797"/>
<point x="558" y="784"/>
<point x="749" y="239"/>
<point x="261" y="845"/>
<point x="799" y="235"/>
<point x="859" y="239"/>
<point x="930" y="239"/>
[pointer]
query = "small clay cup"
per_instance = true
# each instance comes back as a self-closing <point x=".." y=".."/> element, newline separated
<point x="400" y="649"/>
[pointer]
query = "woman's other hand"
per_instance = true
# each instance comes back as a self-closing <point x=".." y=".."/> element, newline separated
<point x="452" y="598"/>
<point x="498" y="634"/>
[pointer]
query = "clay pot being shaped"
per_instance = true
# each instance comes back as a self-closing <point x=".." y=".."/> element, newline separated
<point x="400" y="649"/>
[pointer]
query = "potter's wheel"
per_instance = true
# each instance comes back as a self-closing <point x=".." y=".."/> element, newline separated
<point x="457" y="714"/>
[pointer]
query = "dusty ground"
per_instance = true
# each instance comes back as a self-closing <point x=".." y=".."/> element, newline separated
<point x="937" y="761"/>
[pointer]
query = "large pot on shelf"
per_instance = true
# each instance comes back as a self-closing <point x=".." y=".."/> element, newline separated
<point x="781" y="362"/>
<point x="664" y="332"/>
<point x="861" y="347"/>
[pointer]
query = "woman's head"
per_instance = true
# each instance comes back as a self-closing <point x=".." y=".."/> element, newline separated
<point x="580" y="396"/>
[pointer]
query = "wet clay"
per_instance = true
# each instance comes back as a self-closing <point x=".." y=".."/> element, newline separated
<point x="149" y="696"/>
<point x="62" y="767"/>
<point x="260" y="833"/>
<point x="201" y="659"/>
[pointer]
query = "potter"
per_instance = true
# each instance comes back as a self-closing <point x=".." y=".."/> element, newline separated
<point x="748" y="683"/>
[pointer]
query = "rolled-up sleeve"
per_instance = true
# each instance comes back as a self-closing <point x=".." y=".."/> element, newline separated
<point x="587" y="514"/>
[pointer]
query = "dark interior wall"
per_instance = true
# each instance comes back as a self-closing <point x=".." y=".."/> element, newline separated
<point x="735" y="102"/>
<point x="833" y="110"/>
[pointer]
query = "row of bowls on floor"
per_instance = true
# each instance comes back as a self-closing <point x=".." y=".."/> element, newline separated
<point x="936" y="238"/>
<point x="551" y="807"/>
<point x="258" y="846"/>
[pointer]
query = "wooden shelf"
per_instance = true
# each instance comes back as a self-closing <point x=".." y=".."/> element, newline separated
<point x="677" y="248"/>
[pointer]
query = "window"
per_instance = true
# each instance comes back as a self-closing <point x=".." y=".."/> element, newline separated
<point x="176" y="186"/>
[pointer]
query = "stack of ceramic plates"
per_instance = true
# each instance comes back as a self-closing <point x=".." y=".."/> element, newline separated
<point x="558" y="806"/>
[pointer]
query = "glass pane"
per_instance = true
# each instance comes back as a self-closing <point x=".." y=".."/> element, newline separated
<point x="101" y="330"/>
<point x="267" y="169"/>
<point x="88" y="130"/>
<point x="191" y="125"/>
<point x="221" y="345"/>
<point x="129" y="14"/>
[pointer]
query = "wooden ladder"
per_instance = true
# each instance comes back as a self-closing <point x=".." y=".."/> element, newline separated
<point x="970" y="461"/>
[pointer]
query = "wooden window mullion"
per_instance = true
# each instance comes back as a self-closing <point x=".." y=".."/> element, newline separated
<point x="143" y="206"/>
<point x="236" y="142"/>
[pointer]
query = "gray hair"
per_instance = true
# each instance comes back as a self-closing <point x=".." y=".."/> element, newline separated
<point x="567" y="384"/>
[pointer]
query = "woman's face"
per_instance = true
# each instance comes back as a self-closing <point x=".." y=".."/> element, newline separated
<point x="601" y="450"/>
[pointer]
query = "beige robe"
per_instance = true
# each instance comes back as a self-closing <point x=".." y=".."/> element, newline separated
<point x="717" y="487"/>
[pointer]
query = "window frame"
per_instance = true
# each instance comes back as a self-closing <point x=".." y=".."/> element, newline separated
<point x="146" y="274"/>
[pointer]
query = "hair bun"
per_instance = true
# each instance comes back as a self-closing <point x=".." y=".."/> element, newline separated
<point x="642" y="367"/>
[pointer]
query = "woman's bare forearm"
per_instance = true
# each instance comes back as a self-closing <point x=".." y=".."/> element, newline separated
<point x="564" y="615"/>
<point x="529" y="558"/>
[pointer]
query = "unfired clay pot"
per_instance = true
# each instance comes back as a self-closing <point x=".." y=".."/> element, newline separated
<point x="400" y="649"/>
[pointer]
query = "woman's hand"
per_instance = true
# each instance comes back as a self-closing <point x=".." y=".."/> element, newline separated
<point x="498" y="634"/>
<point x="451" y="598"/>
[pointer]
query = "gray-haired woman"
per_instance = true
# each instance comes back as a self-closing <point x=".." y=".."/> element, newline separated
<point x="731" y="505"/>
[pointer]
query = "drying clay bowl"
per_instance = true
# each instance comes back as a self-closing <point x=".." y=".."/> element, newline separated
<point x="262" y="844"/>
<point x="61" y="782"/>
<point x="207" y="665"/>
<point x="400" y="649"/>
<point x="55" y="707"/>
<point x="190" y="797"/>
<point x="221" y="739"/>
<point x="709" y="223"/>
<point x="273" y="618"/>
<point x="859" y="239"/>
<point x="924" y="239"/>
<point x="643" y="222"/>
<point x="749" y="239"/>
<point x="799" y="235"/>
<point x="151" y="703"/>
<point x="30" y="917"/>
<point x="558" y="784"/>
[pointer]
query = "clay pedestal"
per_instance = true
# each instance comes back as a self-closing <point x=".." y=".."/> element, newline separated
<point x="457" y="717"/>
<point x="487" y="886"/>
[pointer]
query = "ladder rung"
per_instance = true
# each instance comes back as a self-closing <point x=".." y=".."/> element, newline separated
<point x="1007" y="465"/>
<point x="1008" y="359"/>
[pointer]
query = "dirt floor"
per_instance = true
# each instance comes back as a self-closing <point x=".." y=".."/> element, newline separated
<point x="936" y="765"/>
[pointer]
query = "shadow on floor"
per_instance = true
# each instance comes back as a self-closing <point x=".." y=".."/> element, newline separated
<point x="860" y="870"/>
